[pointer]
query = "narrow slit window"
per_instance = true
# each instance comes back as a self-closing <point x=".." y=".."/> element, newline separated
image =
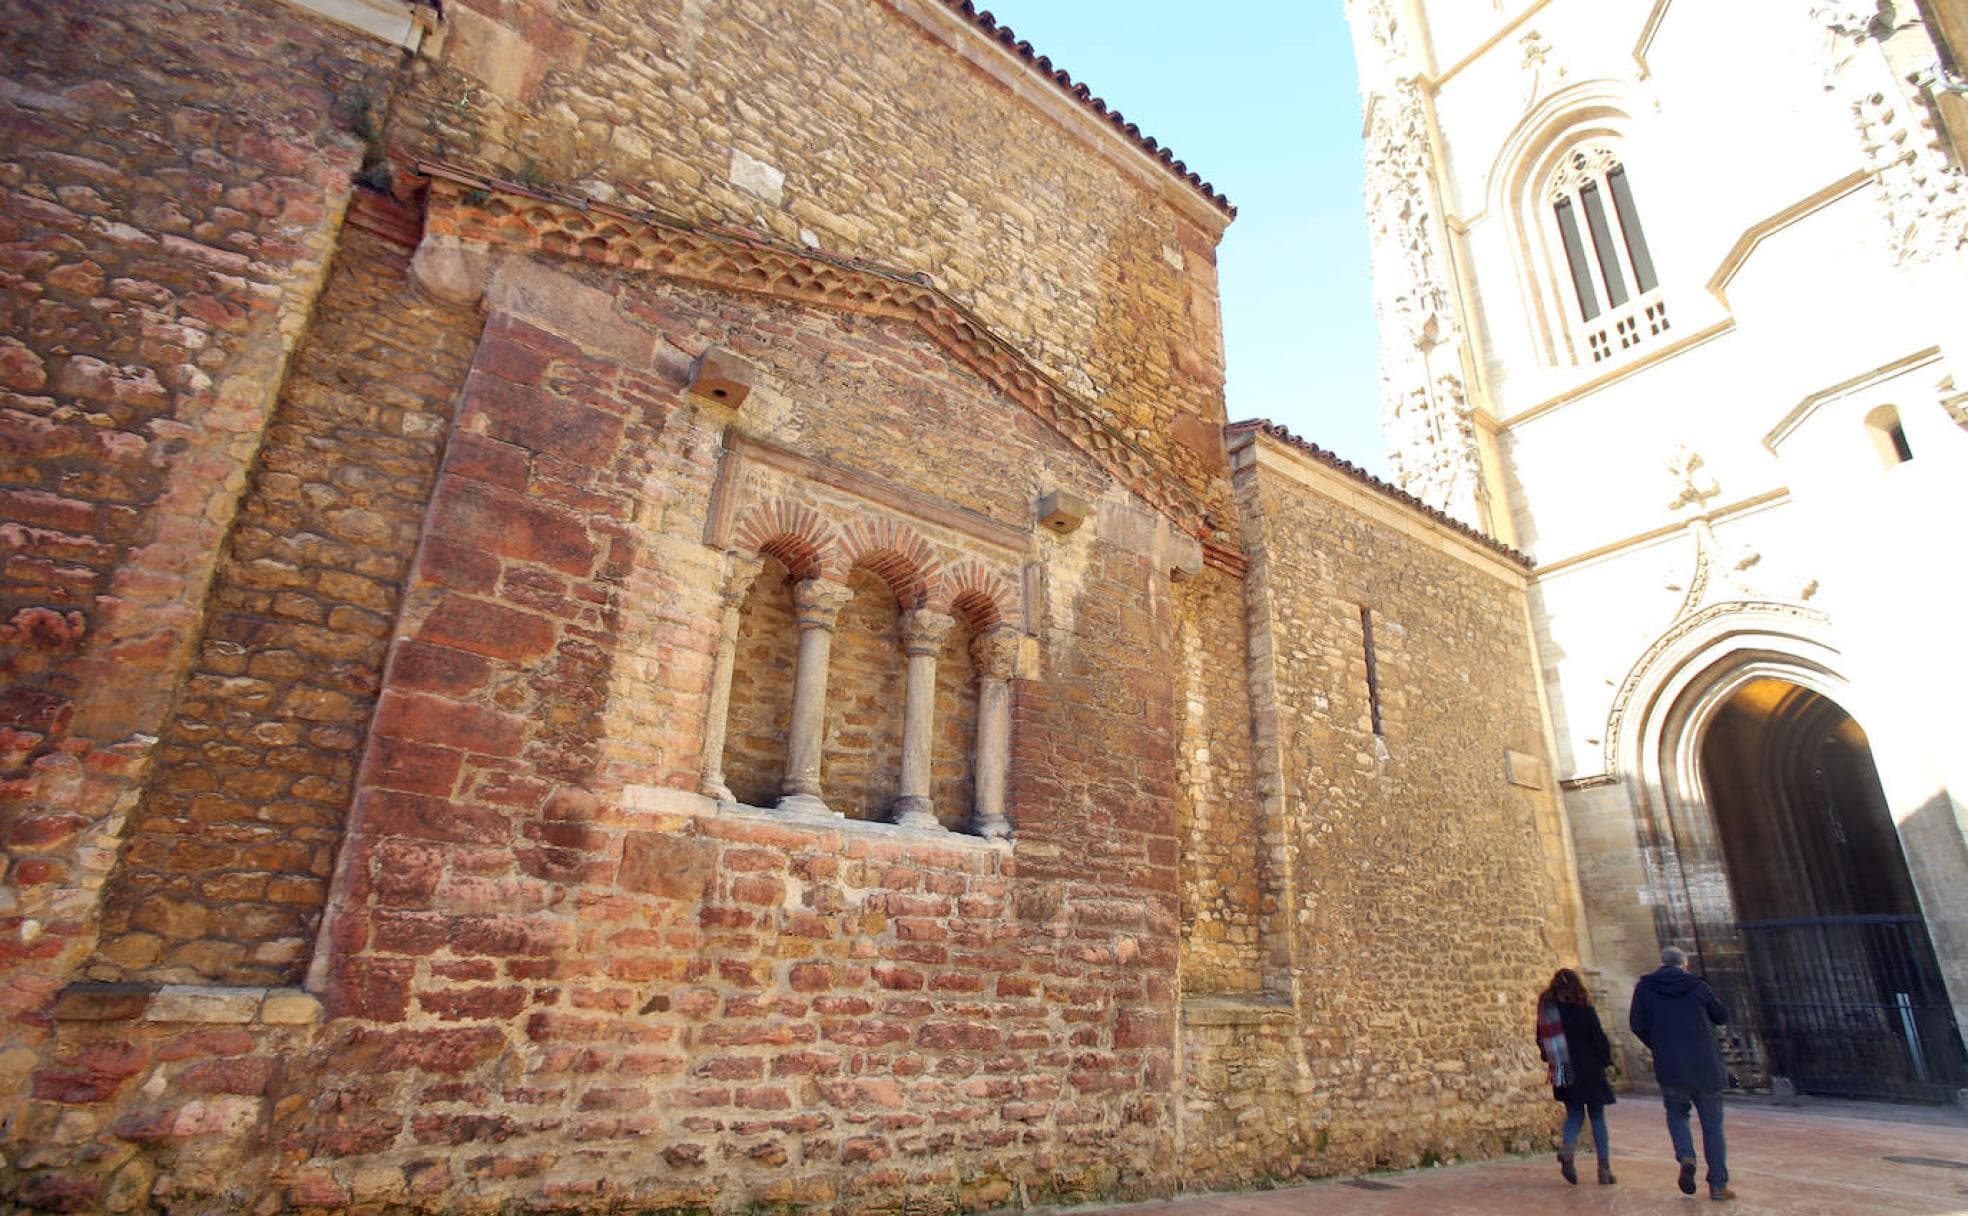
<point x="1373" y="671"/>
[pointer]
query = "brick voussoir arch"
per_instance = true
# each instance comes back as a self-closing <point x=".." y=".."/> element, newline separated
<point x="981" y="596"/>
<point x="895" y="553"/>
<point x="469" y="207"/>
<point x="794" y="533"/>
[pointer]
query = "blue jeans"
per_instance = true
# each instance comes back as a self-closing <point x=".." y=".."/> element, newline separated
<point x="1576" y="1114"/>
<point x="1707" y="1104"/>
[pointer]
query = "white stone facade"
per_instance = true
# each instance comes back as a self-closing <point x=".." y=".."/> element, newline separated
<point x="1691" y="429"/>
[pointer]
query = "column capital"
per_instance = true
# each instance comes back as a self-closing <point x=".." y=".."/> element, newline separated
<point x="819" y="601"/>
<point x="995" y="651"/>
<point x="923" y="631"/>
<point x="740" y="572"/>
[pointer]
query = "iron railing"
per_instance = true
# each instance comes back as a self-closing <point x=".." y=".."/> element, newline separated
<point x="1853" y="1006"/>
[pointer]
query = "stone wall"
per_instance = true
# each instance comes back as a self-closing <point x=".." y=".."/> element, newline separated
<point x="226" y="860"/>
<point x="1225" y="879"/>
<point x="1427" y="899"/>
<point x="781" y="1010"/>
<point x="1094" y="261"/>
<point x="165" y="231"/>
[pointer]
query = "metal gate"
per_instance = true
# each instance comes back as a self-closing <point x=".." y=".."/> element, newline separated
<point x="1853" y="1006"/>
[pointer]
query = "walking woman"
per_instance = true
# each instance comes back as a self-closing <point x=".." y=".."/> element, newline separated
<point x="1576" y="1054"/>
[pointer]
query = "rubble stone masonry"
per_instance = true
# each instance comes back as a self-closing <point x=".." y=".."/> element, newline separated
<point x="448" y="760"/>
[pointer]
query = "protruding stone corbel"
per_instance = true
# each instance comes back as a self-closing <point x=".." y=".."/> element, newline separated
<point x="722" y="376"/>
<point x="448" y="270"/>
<point x="1185" y="558"/>
<point x="1062" y="512"/>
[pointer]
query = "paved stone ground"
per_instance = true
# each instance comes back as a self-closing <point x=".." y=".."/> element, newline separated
<point x="1795" y="1157"/>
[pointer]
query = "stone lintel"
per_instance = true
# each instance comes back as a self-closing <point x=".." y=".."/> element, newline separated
<point x="89" y="1001"/>
<point x="393" y="21"/>
<point x="1237" y="1010"/>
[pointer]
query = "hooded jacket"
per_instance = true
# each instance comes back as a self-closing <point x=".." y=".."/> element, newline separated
<point x="1674" y="1014"/>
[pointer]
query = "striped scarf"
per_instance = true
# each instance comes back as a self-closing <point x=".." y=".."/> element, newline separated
<point x="1551" y="1044"/>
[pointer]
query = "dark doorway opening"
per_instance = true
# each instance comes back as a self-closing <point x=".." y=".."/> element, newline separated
<point x="1848" y="996"/>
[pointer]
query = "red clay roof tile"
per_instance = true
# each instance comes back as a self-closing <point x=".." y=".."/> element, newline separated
<point x="1333" y="461"/>
<point x="984" y="21"/>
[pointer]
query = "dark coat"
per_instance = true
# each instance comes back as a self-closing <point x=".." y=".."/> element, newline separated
<point x="1591" y="1055"/>
<point x="1674" y="1014"/>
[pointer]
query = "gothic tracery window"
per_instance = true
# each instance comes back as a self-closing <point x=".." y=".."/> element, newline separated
<point x="1615" y="290"/>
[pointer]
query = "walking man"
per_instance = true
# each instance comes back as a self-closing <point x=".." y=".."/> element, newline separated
<point x="1673" y="1013"/>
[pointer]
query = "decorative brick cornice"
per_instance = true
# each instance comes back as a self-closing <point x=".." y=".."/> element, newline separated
<point x="473" y="208"/>
<point x="380" y="213"/>
<point x="1230" y="561"/>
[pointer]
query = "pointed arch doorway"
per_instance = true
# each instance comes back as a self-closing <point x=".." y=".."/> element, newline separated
<point x="1733" y="741"/>
<point x="1844" y="986"/>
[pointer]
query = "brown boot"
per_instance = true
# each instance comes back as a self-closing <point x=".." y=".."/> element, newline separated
<point x="1606" y="1174"/>
<point x="1720" y="1193"/>
<point x="1566" y="1167"/>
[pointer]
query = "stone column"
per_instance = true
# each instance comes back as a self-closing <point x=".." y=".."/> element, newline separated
<point x="819" y="602"/>
<point x="739" y="573"/>
<point x="996" y="654"/>
<point x="923" y="632"/>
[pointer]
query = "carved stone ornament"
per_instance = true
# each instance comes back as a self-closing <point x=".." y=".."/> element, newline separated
<point x="1690" y="484"/>
<point x="995" y="652"/>
<point x="1924" y="195"/>
<point x="740" y="572"/>
<point x="819" y="602"/>
<point x="1436" y="456"/>
<point x="923" y="631"/>
<point x="1586" y="164"/>
<point x="1544" y="76"/>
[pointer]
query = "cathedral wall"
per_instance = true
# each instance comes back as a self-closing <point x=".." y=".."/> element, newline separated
<point x="1428" y="897"/>
<point x="1715" y="478"/>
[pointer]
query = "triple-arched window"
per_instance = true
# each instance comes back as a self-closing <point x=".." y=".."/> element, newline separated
<point x="1615" y="293"/>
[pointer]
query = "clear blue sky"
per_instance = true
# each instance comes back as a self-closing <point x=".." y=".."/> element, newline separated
<point x="1259" y="97"/>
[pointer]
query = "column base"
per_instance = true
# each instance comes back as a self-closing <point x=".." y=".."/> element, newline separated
<point x="718" y="790"/>
<point x="806" y="804"/>
<point x="914" y="811"/>
<point x="992" y="827"/>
